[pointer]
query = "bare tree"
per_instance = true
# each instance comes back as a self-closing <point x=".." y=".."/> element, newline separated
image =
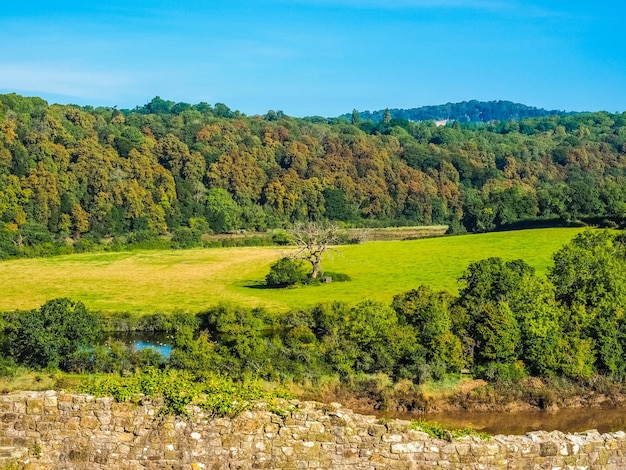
<point x="313" y="239"/>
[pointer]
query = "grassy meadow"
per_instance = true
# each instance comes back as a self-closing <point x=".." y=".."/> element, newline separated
<point x="191" y="280"/>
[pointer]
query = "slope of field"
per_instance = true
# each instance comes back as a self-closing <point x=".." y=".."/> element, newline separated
<point x="163" y="281"/>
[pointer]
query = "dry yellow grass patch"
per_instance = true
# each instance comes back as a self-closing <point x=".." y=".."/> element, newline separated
<point x="143" y="281"/>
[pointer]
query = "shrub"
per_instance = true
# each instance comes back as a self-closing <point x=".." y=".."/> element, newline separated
<point x="606" y="223"/>
<point x="286" y="272"/>
<point x="439" y="432"/>
<point x="501" y="372"/>
<point x="185" y="237"/>
<point x="217" y="394"/>
<point x="281" y="238"/>
<point x="8" y="368"/>
<point x="49" y="336"/>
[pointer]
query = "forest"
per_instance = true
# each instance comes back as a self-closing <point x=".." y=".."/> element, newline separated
<point x="465" y="111"/>
<point x="74" y="178"/>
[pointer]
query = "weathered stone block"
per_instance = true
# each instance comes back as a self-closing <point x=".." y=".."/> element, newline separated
<point x="89" y="422"/>
<point x="8" y="417"/>
<point x="548" y="448"/>
<point x="376" y="430"/>
<point x="247" y="426"/>
<point x="406" y="447"/>
<point x="398" y="427"/>
<point x="418" y="436"/>
<point x="34" y="406"/>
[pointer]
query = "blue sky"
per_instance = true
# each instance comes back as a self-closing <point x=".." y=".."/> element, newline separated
<point x="317" y="57"/>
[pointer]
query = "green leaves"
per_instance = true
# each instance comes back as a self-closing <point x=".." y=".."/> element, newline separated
<point x="286" y="272"/>
<point x="47" y="337"/>
<point x="215" y="393"/>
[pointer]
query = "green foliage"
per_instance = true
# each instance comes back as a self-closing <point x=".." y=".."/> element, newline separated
<point x="493" y="280"/>
<point x="185" y="237"/>
<point x="439" y="432"/>
<point x="502" y="372"/>
<point x="51" y="335"/>
<point x="222" y="212"/>
<point x="80" y="178"/>
<point x="590" y="270"/>
<point x="497" y="334"/>
<point x="286" y="272"/>
<point x="506" y="323"/>
<point x="428" y="313"/>
<point x="197" y="355"/>
<point x="356" y="338"/>
<point x="243" y="342"/>
<point x="8" y="368"/>
<point x="216" y="394"/>
<point x="590" y="282"/>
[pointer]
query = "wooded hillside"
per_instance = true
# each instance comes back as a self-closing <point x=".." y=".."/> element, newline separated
<point x="71" y="173"/>
<point x="465" y="111"/>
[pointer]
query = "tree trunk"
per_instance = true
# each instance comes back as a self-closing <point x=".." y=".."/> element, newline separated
<point x="316" y="269"/>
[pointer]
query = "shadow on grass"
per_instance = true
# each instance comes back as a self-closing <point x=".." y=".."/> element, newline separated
<point x="336" y="277"/>
<point x="261" y="285"/>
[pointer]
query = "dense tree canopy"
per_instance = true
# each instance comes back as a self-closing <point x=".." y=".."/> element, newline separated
<point x="70" y="176"/>
<point x="52" y="334"/>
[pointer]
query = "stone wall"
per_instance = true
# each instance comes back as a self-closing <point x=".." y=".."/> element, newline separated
<point x="50" y="430"/>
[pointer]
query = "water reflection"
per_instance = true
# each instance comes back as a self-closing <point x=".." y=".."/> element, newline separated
<point x="138" y="340"/>
<point x="568" y="420"/>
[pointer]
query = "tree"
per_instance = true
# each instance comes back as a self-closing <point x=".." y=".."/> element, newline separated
<point x="49" y="336"/>
<point x="222" y="213"/>
<point x="590" y="270"/>
<point x="386" y="116"/>
<point x="497" y="334"/>
<point x="356" y="119"/>
<point x="357" y="338"/>
<point x="428" y="312"/>
<point x="285" y="272"/>
<point x="590" y="281"/>
<point x="313" y="239"/>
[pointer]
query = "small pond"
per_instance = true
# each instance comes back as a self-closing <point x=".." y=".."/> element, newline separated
<point x="159" y="341"/>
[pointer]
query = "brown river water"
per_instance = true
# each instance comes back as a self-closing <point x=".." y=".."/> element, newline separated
<point x="521" y="422"/>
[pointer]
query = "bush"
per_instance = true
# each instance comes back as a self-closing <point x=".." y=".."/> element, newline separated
<point x="286" y="272"/>
<point x="281" y="238"/>
<point x="8" y="368"/>
<point x="49" y="336"/>
<point x="502" y="372"/>
<point x="337" y="277"/>
<point x="606" y="223"/>
<point x="185" y="237"/>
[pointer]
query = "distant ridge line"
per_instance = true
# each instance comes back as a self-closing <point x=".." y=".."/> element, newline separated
<point x="464" y="111"/>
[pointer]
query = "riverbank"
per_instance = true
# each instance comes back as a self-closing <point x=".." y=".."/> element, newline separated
<point x="529" y="405"/>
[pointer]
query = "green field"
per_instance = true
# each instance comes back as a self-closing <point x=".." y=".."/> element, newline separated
<point x="163" y="281"/>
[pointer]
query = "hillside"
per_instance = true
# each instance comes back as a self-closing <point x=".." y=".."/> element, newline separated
<point x="75" y="178"/>
<point x="466" y="111"/>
